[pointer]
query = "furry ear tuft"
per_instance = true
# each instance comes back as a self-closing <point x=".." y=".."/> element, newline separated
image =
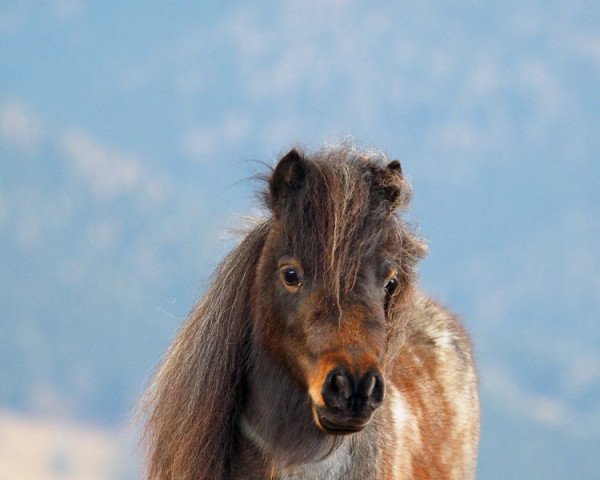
<point x="389" y="185"/>
<point x="396" y="166"/>
<point x="287" y="178"/>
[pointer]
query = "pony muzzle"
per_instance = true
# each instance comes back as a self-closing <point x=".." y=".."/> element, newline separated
<point x="347" y="401"/>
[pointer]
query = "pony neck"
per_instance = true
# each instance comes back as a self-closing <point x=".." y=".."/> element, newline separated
<point x="277" y="418"/>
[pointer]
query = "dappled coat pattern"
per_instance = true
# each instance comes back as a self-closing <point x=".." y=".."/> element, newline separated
<point x="313" y="355"/>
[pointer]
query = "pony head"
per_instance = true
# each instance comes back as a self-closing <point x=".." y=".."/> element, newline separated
<point x="334" y="271"/>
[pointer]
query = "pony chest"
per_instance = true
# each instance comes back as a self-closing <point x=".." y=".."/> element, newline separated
<point x="333" y="467"/>
<point x="256" y="453"/>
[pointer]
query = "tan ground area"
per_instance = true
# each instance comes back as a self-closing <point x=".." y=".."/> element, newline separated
<point x="43" y="449"/>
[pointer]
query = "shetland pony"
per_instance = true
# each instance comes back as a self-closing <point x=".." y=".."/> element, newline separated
<point x="313" y="355"/>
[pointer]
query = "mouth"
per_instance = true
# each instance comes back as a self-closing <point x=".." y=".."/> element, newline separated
<point x="337" y="426"/>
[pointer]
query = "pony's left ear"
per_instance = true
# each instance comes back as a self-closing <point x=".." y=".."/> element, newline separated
<point x="287" y="178"/>
<point x="395" y="166"/>
<point x="390" y="187"/>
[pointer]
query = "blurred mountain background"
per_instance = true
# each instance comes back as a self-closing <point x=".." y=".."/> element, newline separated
<point x="128" y="133"/>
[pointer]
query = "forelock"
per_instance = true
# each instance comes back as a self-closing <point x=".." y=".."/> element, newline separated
<point x="343" y="212"/>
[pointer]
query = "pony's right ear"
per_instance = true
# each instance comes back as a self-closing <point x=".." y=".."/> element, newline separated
<point x="287" y="178"/>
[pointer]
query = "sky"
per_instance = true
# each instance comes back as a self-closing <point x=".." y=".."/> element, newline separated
<point x="129" y="136"/>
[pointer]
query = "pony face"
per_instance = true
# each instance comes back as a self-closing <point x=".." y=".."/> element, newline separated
<point x="334" y="348"/>
<point x="330" y="281"/>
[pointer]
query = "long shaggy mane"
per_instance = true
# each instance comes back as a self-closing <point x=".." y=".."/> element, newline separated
<point x="191" y="402"/>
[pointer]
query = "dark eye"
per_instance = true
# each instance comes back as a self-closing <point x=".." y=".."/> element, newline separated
<point x="290" y="277"/>
<point x="391" y="286"/>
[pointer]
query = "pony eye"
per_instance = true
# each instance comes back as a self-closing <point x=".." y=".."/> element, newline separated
<point x="291" y="277"/>
<point x="390" y="286"/>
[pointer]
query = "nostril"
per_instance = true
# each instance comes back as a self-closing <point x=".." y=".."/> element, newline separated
<point x="338" y="388"/>
<point x="341" y="385"/>
<point x="378" y="390"/>
<point x="370" y="386"/>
